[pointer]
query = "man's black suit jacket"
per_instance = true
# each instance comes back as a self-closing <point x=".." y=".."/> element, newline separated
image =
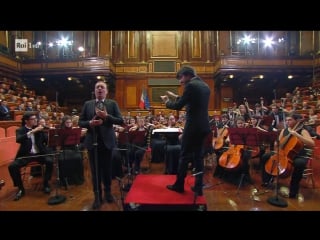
<point x="106" y="130"/>
<point x="195" y="99"/>
<point x="41" y="141"/>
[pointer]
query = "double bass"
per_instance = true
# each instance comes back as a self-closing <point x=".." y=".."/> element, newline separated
<point x="280" y="164"/>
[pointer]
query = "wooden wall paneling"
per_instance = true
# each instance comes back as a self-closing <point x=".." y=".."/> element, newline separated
<point x="118" y="46"/>
<point x="185" y="44"/>
<point x="226" y="97"/>
<point x="131" y="96"/>
<point x="307" y="43"/>
<point x="164" y="44"/>
<point x="210" y="83"/>
<point x="196" y="44"/>
<point x="207" y="42"/>
<point x="143" y="46"/>
<point x="105" y="43"/>
<point x="3" y="38"/>
<point x="214" y="45"/>
<point x="133" y="44"/>
<point x="224" y="43"/>
<point x="120" y="93"/>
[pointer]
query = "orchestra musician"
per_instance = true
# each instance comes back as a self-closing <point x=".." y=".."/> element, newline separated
<point x="260" y="110"/>
<point x="278" y="117"/>
<point x="245" y="113"/>
<point x="221" y="143"/>
<point x="138" y="144"/>
<point x="33" y="143"/>
<point x="71" y="167"/>
<point x="298" y="160"/>
<point x="172" y="147"/>
<point x="157" y="140"/>
<point x="238" y="155"/>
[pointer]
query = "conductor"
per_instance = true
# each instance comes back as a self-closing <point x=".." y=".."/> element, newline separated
<point x="195" y="99"/>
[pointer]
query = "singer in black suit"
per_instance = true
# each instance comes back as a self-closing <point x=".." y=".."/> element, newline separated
<point x="98" y="116"/>
<point x="195" y="99"/>
<point x="33" y="142"/>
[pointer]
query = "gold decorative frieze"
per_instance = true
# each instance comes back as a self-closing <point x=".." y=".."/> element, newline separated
<point x="93" y="63"/>
<point x="63" y="65"/>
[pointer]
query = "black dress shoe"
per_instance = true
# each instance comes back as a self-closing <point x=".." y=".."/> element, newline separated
<point x="109" y="198"/>
<point x="199" y="192"/>
<point x="19" y="195"/>
<point x="175" y="188"/>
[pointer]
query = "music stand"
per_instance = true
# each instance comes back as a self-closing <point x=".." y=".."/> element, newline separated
<point x="274" y="200"/>
<point x="246" y="137"/>
<point x="170" y="135"/>
<point x="57" y="139"/>
<point x="69" y="137"/>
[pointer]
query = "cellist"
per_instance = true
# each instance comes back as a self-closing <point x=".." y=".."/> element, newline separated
<point x="220" y="144"/>
<point x="299" y="161"/>
<point x="237" y="154"/>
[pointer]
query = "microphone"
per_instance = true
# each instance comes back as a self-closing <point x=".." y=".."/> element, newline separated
<point x="196" y="174"/>
<point x="99" y="105"/>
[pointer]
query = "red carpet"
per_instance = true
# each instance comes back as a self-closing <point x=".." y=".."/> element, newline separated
<point x="150" y="190"/>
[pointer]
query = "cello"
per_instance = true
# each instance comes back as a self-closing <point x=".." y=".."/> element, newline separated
<point x="222" y="135"/>
<point x="231" y="159"/>
<point x="280" y="164"/>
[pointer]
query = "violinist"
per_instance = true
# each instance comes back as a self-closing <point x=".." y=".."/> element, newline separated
<point x="245" y="113"/>
<point x="138" y="144"/>
<point x="260" y="110"/>
<point x="157" y="140"/>
<point x="33" y="142"/>
<point x="278" y="117"/>
<point x="71" y="166"/>
<point x="258" y="151"/>
<point x="299" y="161"/>
<point x="173" y="147"/>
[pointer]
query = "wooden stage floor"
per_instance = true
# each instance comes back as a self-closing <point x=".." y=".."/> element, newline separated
<point x="220" y="195"/>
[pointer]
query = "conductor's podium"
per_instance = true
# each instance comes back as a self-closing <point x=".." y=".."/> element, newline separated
<point x="149" y="193"/>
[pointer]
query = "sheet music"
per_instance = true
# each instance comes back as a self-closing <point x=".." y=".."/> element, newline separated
<point x="167" y="130"/>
